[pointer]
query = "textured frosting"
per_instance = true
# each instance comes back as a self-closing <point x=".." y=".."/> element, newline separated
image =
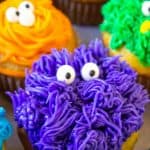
<point x="129" y="27"/>
<point x="5" y="127"/>
<point x="100" y="113"/>
<point x="21" y="45"/>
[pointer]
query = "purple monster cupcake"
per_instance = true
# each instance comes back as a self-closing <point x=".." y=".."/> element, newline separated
<point x="81" y="101"/>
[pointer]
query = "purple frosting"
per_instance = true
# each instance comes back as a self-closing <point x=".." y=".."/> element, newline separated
<point x="98" y="114"/>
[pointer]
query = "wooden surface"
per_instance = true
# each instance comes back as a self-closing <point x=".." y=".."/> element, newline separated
<point x="86" y="34"/>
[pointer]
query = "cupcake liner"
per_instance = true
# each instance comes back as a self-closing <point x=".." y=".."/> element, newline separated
<point x="144" y="80"/>
<point x="83" y="13"/>
<point x="24" y="139"/>
<point x="8" y="83"/>
<point x="131" y="141"/>
<point x="4" y="146"/>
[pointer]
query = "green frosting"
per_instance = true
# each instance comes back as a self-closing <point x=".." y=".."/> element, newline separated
<point x="123" y="19"/>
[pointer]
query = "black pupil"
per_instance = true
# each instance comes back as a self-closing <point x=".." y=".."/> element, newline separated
<point x="92" y="73"/>
<point x="27" y="6"/>
<point x="149" y="9"/>
<point x="17" y="13"/>
<point x="68" y="75"/>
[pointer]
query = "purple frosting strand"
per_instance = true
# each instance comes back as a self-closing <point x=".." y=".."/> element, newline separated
<point x="99" y="114"/>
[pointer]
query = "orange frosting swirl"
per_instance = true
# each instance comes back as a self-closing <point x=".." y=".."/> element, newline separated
<point x="20" y="45"/>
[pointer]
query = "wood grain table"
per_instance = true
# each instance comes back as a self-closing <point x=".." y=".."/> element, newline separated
<point x="86" y="34"/>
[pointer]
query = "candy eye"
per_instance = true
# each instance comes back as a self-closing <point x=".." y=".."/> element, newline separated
<point x="66" y="74"/>
<point x="27" y="19"/>
<point x="90" y="71"/>
<point x="146" y="8"/>
<point x="12" y="14"/>
<point x="26" y="6"/>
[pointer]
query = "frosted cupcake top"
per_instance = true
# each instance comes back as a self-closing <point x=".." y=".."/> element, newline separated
<point x="28" y="29"/>
<point x="5" y="127"/>
<point x="84" y="100"/>
<point x="128" y="22"/>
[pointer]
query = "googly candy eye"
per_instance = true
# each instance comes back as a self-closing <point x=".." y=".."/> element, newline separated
<point x="66" y="74"/>
<point x="27" y="19"/>
<point x="26" y="6"/>
<point x="12" y="14"/>
<point x="90" y="71"/>
<point x="146" y="8"/>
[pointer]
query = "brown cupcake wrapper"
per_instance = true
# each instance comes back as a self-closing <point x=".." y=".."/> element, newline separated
<point x="144" y="80"/>
<point x="24" y="139"/>
<point x="82" y="13"/>
<point x="4" y="146"/>
<point x="8" y="83"/>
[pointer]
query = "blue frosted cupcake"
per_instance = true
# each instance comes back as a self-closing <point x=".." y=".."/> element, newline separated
<point x="5" y="129"/>
<point x="80" y="101"/>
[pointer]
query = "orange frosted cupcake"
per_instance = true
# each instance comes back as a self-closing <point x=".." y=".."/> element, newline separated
<point x="29" y="29"/>
<point x="83" y="12"/>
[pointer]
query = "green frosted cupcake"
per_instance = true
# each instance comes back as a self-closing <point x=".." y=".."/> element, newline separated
<point x="126" y="31"/>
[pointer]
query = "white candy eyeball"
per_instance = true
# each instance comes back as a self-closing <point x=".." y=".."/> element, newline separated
<point x="90" y="71"/>
<point x="26" y="6"/>
<point x="146" y="8"/>
<point x="26" y="19"/>
<point x="12" y="14"/>
<point x="66" y="74"/>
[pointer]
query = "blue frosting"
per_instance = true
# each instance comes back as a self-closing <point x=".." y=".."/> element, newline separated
<point x="5" y="127"/>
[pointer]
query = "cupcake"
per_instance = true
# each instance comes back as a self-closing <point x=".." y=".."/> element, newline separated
<point x="83" y="12"/>
<point x="5" y="129"/>
<point x="84" y="100"/>
<point x="126" y="31"/>
<point x="29" y="29"/>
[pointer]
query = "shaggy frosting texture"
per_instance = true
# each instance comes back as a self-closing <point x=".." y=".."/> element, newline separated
<point x="125" y="21"/>
<point x="96" y="113"/>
